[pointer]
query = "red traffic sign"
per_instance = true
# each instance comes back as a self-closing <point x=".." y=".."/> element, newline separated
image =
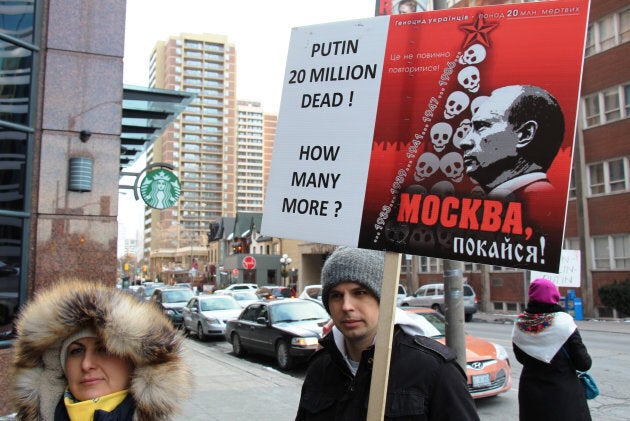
<point x="235" y="271"/>
<point x="249" y="262"/>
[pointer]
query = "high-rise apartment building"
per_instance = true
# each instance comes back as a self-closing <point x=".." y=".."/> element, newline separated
<point x="252" y="140"/>
<point x="200" y="144"/>
<point x="219" y="147"/>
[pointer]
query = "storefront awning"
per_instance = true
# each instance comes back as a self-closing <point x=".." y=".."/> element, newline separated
<point x="146" y="113"/>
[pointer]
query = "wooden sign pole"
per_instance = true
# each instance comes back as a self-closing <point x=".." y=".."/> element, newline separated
<point x="385" y="333"/>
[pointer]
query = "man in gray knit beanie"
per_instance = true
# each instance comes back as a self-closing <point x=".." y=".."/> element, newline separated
<point x="364" y="267"/>
<point x="337" y="383"/>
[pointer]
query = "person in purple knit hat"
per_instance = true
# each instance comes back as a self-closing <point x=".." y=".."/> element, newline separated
<point x="547" y="342"/>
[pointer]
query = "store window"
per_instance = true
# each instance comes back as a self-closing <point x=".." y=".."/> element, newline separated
<point x="17" y="52"/>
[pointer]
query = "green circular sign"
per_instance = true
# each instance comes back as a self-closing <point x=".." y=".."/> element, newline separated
<point x="160" y="189"/>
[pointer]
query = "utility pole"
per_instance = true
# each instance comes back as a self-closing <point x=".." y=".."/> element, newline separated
<point x="454" y="309"/>
<point x="584" y="232"/>
<point x="486" y="301"/>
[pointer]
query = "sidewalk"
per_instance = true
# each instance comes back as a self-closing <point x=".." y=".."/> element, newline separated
<point x="227" y="388"/>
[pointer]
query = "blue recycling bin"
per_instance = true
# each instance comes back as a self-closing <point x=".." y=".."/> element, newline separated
<point x="569" y="302"/>
<point x="577" y="306"/>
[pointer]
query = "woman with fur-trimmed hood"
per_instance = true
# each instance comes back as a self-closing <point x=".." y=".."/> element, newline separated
<point x="67" y="325"/>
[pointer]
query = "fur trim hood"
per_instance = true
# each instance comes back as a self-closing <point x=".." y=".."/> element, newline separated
<point x="128" y="327"/>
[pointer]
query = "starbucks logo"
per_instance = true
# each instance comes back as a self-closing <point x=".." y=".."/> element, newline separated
<point x="160" y="189"/>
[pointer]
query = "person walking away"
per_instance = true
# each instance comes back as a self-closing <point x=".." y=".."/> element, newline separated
<point x="547" y="343"/>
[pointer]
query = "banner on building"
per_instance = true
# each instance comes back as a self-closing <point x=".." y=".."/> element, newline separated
<point x="445" y="133"/>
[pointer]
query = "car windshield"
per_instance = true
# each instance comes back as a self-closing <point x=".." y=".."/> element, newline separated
<point x="297" y="311"/>
<point x="219" y="303"/>
<point x="241" y="296"/>
<point x="432" y="324"/>
<point x="281" y="292"/>
<point x="178" y="296"/>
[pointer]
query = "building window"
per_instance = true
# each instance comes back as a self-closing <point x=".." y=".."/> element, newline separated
<point x="608" y="177"/>
<point x="591" y="110"/>
<point x="18" y="57"/>
<point x="429" y="265"/>
<point x="624" y="25"/>
<point x="601" y="253"/>
<point x="572" y="243"/>
<point x="572" y="190"/>
<point x="611" y="252"/>
<point x="608" y="32"/>
<point x="606" y="106"/>
<point x="471" y="267"/>
<point x="621" y="247"/>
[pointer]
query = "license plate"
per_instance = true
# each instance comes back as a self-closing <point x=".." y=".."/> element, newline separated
<point x="481" y="380"/>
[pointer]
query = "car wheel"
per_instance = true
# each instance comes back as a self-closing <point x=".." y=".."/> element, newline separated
<point x="404" y="304"/>
<point x="468" y="317"/>
<point x="200" y="334"/>
<point x="237" y="346"/>
<point x="285" y="361"/>
<point x="437" y="308"/>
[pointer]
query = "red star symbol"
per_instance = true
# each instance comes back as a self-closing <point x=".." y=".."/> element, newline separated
<point x="478" y="31"/>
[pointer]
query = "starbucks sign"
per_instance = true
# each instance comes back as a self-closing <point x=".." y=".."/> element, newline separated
<point x="160" y="189"/>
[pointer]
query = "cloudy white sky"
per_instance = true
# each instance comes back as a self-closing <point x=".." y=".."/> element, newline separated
<point x="259" y="29"/>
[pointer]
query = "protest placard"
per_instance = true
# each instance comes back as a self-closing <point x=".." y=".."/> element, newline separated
<point x="446" y="133"/>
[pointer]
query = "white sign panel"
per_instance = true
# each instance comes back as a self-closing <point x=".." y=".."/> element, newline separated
<point x="570" y="271"/>
<point x="325" y="130"/>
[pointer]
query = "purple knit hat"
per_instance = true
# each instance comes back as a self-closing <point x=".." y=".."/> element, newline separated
<point x="543" y="291"/>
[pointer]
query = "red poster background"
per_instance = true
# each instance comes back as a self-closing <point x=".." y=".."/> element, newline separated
<point x="538" y="44"/>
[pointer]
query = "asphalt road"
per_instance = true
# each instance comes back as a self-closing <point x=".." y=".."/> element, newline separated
<point x="607" y="342"/>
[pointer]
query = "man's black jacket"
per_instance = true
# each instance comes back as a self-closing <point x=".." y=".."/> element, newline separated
<point x="425" y="383"/>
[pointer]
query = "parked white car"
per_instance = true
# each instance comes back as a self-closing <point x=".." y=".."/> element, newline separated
<point x="206" y="315"/>
<point x="312" y="292"/>
<point x="402" y="294"/>
<point x="253" y="287"/>
<point x="432" y="295"/>
<point x="244" y="297"/>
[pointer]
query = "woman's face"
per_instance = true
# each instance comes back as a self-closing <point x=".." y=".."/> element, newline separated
<point x="93" y="372"/>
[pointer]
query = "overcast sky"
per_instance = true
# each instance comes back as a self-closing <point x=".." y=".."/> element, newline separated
<point x="259" y="29"/>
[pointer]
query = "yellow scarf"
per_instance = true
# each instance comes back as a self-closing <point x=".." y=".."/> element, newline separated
<point x="84" y="410"/>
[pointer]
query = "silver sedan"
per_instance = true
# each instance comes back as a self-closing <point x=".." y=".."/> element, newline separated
<point x="206" y="315"/>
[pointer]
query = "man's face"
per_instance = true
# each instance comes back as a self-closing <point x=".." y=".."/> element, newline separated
<point x="354" y="310"/>
<point x="491" y="145"/>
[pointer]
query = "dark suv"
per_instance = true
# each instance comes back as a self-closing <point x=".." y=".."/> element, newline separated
<point x="172" y="300"/>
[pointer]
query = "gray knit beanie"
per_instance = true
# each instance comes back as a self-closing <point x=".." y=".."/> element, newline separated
<point x="362" y="266"/>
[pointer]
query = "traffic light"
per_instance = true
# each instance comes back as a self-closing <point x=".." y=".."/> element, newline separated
<point x="126" y="267"/>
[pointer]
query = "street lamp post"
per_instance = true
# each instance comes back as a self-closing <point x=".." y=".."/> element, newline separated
<point x="285" y="261"/>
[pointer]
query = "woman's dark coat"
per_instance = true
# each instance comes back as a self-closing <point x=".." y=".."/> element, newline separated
<point x="552" y="391"/>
